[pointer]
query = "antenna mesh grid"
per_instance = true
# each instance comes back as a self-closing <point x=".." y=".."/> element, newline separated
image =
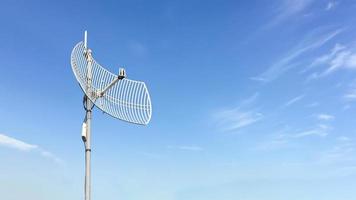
<point x="127" y="100"/>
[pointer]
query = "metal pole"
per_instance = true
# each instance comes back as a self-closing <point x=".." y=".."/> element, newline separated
<point x="88" y="131"/>
<point x="88" y="153"/>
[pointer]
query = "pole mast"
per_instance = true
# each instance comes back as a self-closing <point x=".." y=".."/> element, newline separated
<point x="88" y="108"/>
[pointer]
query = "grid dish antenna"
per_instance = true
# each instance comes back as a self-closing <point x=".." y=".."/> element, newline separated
<point x="115" y="95"/>
<point x="122" y="98"/>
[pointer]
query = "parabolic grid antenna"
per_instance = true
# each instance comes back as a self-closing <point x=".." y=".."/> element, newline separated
<point x="122" y="98"/>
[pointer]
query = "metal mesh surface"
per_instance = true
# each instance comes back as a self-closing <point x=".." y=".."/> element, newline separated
<point x="127" y="100"/>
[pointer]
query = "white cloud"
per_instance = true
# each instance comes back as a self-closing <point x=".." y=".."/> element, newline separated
<point x="321" y="130"/>
<point x="293" y="100"/>
<point x="51" y="156"/>
<point x="350" y="95"/>
<point x="346" y="59"/>
<point x="288" y="9"/>
<point x="231" y="119"/>
<point x="325" y="117"/>
<point x="327" y="57"/>
<point x="340" y="57"/>
<point x="316" y="132"/>
<point x="314" y="104"/>
<point x="342" y="152"/>
<point x="279" y="140"/>
<point x="311" y="42"/>
<point x="16" y="144"/>
<point x="334" y="160"/>
<point x="23" y="146"/>
<point x="330" y="5"/>
<point x="250" y="100"/>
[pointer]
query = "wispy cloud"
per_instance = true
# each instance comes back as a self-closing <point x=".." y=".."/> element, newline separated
<point x="321" y="130"/>
<point x="346" y="59"/>
<point x="312" y="41"/>
<point x="235" y="118"/>
<point x="231" y="119"/>
<point x="51" y="156"/>
<point x="276" y="141"/>
<point x="350" y="94"/>
<point x="248" y="101"/>
<point x="339" y="57"/>
<point x="316" y="132"/>
<point x="327" y="57"/>
<point x="338" y="159"/>
<point x="17" y="144"/>
<point x="294" y="100"/>
<point x="311" y="105"/>
<point x="343" y="151"/>
<point x="325" y="117"/>
<point x="287" y="138"/>
<point x="288" y="9"/>
<point x="330" y="5"/>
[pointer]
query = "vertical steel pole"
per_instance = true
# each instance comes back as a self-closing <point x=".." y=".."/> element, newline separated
<point x="88" y="133"/>
<point x="88" y="154"/>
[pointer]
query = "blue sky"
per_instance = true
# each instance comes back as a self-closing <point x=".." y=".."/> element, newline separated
<point x="252" y="100"/>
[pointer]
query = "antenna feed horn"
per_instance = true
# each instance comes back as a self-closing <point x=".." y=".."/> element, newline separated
<point x="122" y="73"/>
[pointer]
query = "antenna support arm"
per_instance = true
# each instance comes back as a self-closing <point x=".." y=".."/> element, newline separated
<point x="122" y="75"/>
